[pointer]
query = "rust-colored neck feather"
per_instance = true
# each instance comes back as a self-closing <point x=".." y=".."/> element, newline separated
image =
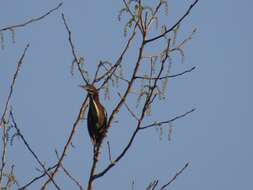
<point x="95" y="97"/>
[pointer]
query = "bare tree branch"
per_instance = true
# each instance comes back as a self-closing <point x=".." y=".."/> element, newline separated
<point x="133" y="16"/>
<point x="80" y="115"/>
<point x="168" y="76"/>
<point x="155" y="12"/>
<point x="36" y="178"/>
<point x="73" y="49"/>
<point x="175" y="25"/>
<point x="72" y="178"/>
<point x="110" y="72"/>
<point x="93" y="176"/>
<point x="179" y="74"/>
<point x="152" y="185"/>
<point x="149" y="97"/>
<point x="116" y="109"/>
<point x="68" y="143"/>
<point x="31" y="151"/>
<point x="31" y="20"/>
<point x="113" y="73"/>
<point x="2" y="121"/>
<point x="129" y="110"/>
<point x="68" y="174"/>
<point x="142" y="20"/>
<point x="11" y="179"/>
<point x="13" y="83"/>
<point x="168" y="121"/>
<point x="175" y="176"/>
<point x="109" y="151"/>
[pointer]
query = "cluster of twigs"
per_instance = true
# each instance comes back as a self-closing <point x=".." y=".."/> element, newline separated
<point x="141" y="19"/>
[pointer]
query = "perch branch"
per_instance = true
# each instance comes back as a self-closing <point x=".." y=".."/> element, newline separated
<point x="149" y="97"/>
<point x="80" y="115"/>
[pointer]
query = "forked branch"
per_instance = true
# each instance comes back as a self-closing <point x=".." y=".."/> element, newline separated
<point x="31" y="151"/>
<point x="175" y="25"/>
<point x="2" y="121"/>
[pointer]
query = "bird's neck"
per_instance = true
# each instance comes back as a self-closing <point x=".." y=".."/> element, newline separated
<point x="95" y="98"/>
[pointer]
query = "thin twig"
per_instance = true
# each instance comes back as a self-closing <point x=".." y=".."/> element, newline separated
<point x="129" y="110"/>
<point x="36" y="178"/>
<point x="118" y="77"/>
<point x="110" y="72"/>
<point x="31" y="151"/>
<point x="109" y="151"/>
<point x="155" y="12"/>
<point x="97" y="71"/>
<point x="68" y="174"/>
<point x="100" y="174"/>
<point x="123" y="99"/>
<point x="72" y="178"/>
<point x="175" y="176"/>
<point x="132" y="185"/>
<point x="73" y="49"/>
<point x="149" y="97"/>
<point x="152" y="185"/>
<point x="175" y="25"/>
<point x="137" y="65"/>
<point x="187" y="39"/>
<point x="155" y="184"/>
<point x="93" y="176"/>
<point x="11" y="179"/>
<point x="81" y="111"/>
<point x="31" y="20"/>
<point x="2" y="121"/>
<point x="68" y="143"/>
<point x="133" y="16"/>
<point x="182" y="73"/>
<point x="168" y="121"/>
<point x="168" y="76"/>
<point x="13" y="83"/>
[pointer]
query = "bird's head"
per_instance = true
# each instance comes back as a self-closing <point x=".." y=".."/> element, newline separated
<point x="90" y="89"/>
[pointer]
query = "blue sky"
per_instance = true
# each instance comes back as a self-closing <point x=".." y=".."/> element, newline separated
<point x="215" y="139"/>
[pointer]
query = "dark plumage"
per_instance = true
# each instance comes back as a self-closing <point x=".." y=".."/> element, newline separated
<point x="97" y="117"/>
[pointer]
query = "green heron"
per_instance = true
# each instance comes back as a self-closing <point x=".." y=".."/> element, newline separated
<point x="97" y="117"/>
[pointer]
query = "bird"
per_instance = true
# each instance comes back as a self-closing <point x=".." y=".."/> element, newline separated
<point x="97" y="116"/>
